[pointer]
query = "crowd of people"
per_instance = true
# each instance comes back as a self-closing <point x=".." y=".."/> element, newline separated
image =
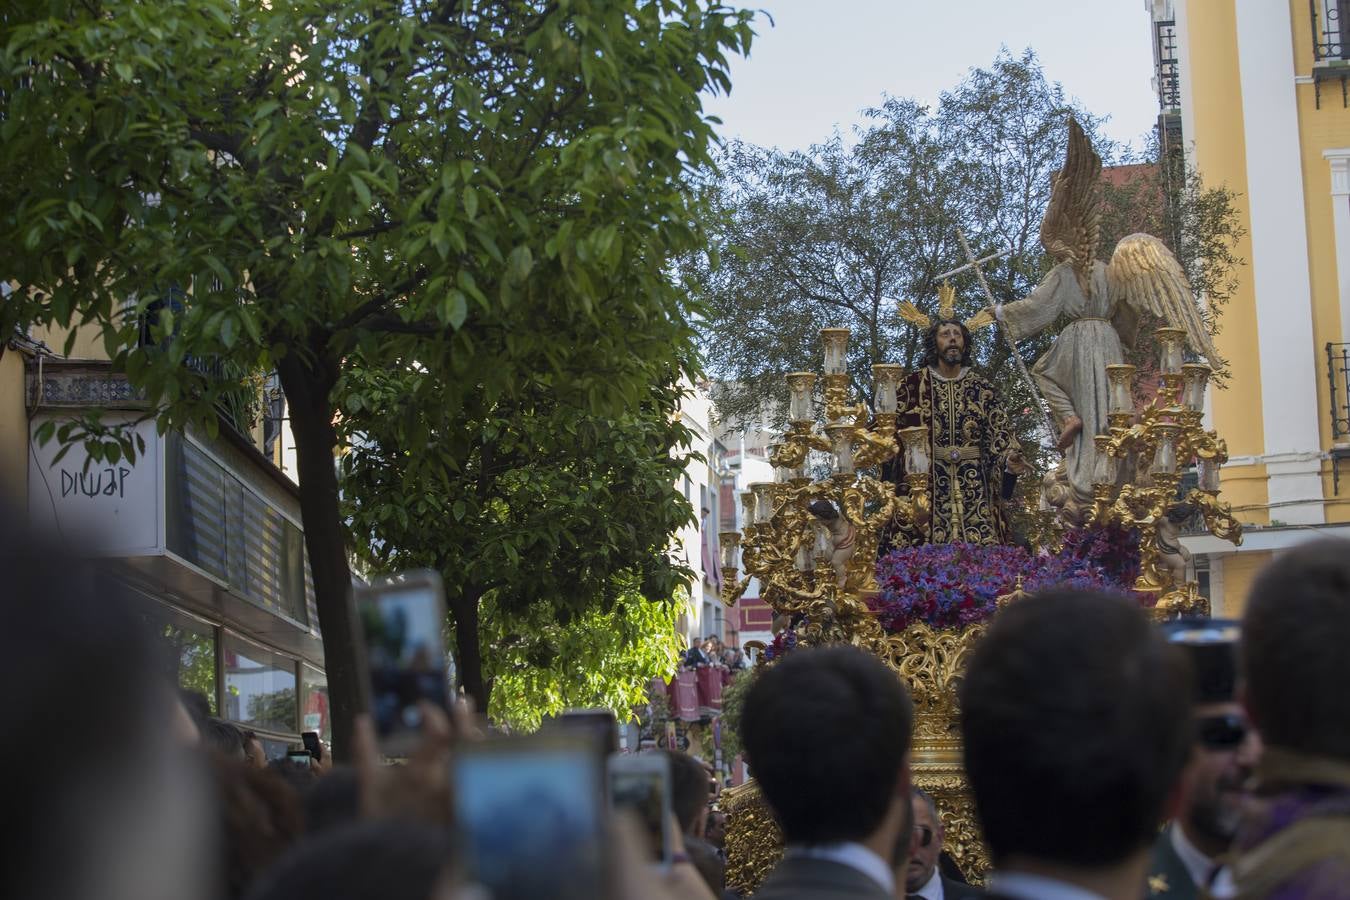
<point x="713" y="653"/>
<point x="1107" y="758"/>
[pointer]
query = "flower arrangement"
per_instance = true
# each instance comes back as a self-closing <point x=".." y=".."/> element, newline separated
<point x="783" y="642"/>
<point x="953" y="585"/>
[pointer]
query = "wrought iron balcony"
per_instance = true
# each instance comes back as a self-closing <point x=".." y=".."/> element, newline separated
<point x="1330" y="21"/>
<point x="1167" y="69"/>
<point x="1338" y="394"/>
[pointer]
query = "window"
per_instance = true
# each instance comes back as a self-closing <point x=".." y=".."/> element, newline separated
<point x="192" y="646"/>
<point x="1331" y="29"/>
<point x="259" y="686"/>
<point x="314" y="708"/>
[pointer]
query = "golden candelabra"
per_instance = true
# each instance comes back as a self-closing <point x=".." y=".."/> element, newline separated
<point x="813" y="546"/>
<point x="813" y="543"/>
<point x="1141" y="458"/>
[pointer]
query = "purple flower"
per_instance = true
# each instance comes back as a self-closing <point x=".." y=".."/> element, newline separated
<point x="953" y="585"/>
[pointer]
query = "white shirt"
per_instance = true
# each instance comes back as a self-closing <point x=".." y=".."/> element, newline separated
<point x="932" y="888"/>
<point x="1198" y="865"/>
<point x="853" y="855"/>
<point x="1025" y="886"/>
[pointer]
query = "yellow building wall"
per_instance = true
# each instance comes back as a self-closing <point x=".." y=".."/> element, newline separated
<point x="88" y="342"/>
<point x="1220" y="156"/>
<point x="1239" y="571"/>
<point x="1321" y="129"/>
<point x="13" y="432"/>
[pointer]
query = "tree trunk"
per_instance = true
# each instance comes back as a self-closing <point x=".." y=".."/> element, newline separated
<point x="469" y="647"/>
<point x="307" y="391"/>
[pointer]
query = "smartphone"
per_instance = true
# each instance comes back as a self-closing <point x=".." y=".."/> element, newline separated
<point x="600" y="724"/>
<point x="403" y="644"/>
<point x="640" y="783"/>
<point x="299" y="758"/>
<point x="311" y="741"/>
<point x="532" y="815"/>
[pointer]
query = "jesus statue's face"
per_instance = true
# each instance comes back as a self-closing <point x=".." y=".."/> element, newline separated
<point x="951" y="344"/>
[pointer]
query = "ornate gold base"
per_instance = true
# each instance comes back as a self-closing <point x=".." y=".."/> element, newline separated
<point x="930" y="662"/>
<point x="754" y="843"/>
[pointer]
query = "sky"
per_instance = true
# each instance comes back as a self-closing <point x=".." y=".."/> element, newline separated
<point x="822" y="61"/>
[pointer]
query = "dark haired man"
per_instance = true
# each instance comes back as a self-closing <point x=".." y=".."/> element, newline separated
<point x="1295" y="841"/>
<point x="922" y="875"/>
<point x="1076" y="718"/>
<point x="975" y="459"/>
<point x="826" y="732"/>
<point x="1186" y="855"/>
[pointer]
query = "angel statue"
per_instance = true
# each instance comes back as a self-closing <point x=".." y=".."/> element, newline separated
<point x="1103" y="303"/>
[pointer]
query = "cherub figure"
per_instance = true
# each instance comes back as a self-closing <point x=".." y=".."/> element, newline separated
<point x="843" y="537"/>
<point x="1172" y="554"/>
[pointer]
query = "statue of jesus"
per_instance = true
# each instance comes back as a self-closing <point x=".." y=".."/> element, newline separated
<point x="975" y="457"/>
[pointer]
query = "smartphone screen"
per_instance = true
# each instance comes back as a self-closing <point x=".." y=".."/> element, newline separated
<point x="600" y="724"/>
<point x="300" y="758"/>
<point x="532" y="815"/>
<point x="403" y="622"/>
<point x="311" y="741"/>
<point x="641" y="785"/>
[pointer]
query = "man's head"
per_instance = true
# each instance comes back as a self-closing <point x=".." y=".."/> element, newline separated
<point x="926" y="845"/>
<point x="1294" y="664"/>
<point x="1076" y="715"/>
<point x="826" y="732"/>
<point x="1226" y="749"/>
<point x="689" y="791"/>
<point x="947" y="340"/>
<point x="253" y="750"/>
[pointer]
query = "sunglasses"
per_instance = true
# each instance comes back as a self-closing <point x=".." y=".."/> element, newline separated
<point x="925" y="835"/>
<point x="1221" y="732"/>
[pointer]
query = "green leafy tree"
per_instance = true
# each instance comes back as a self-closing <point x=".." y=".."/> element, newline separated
<point x="447" y="183"/>
<point x="606" y="659"/>
<point x="543" y="518"/>
<point x="835" y="235"/>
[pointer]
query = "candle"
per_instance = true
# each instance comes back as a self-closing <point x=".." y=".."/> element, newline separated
<point x="1165" y="455"/>
<point x="1121" y="394"/>
<point x="800" y="406"/>
<point x="915" y="440"/>
<point x="764" y="505"/>
<point x="1169" y="349"/>
<point x="1208" y="470"/>
<point x="886" y="377"/>
<point x="836" y="350"/>
<point x="806" y="560"/>
<point x="841" y="436"/>
<point x="730" y="543"/>
<point x="1110" y="465"/>
<point x="1194" y="377"/>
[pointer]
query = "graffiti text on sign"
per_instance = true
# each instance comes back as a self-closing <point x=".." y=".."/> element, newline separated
<point x="106" y="482"/>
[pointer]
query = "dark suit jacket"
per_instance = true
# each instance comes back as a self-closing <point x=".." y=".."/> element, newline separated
<point x="955" y="890"/>
<point x="818" y="879"/>
<point x="1167" y="875"/>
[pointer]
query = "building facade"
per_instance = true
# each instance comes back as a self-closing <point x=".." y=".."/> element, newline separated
<point x="1255" y="94"/>
<point x="204" y="530"/>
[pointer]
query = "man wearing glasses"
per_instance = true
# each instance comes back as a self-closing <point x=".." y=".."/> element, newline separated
<point x="921" y="878"/>
<point x="1186" y="855"/>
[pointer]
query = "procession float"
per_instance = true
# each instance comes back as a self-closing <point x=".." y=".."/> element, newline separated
<point x="890" y="527"/>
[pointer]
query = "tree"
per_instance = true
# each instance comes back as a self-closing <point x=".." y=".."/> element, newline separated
<point x="833" y="236"/>
<point x="599" y="659"/>
<point x="449" y="184"/>
<point x="543" y="518"/>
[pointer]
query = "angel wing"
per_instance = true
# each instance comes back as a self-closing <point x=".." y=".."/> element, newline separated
<point x="1149" y="278"/>
<point x="1071" y="227"/>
